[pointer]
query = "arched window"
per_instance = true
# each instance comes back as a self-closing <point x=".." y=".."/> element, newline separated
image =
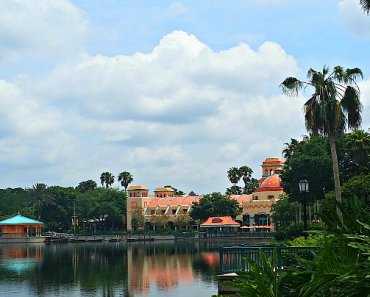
<point x="246" y="218"/>
<point x="261" y="219"/>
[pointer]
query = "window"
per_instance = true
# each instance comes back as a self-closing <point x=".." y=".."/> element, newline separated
<point x="152" y="212"/>
<point x="173" y="211"/>
<point x="134" y="204"/>
<point x="270" y="197"/>
<point x="255" y="197"/>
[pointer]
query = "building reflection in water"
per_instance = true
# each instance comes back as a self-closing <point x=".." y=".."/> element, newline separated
<point x="18" y="257"/>
<point x="105" y="269"/>
<point x="163" y="269"/>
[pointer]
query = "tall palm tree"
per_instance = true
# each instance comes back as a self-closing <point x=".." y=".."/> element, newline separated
<point x="233" y="175"/>
<point x="106" y="178"/>
<point x="333" y="106"/>
<point x="40" y="197"/>
<point x="365" y="4"/>
<point x="125" y="178"/>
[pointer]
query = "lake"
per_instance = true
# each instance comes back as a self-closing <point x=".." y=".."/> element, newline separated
<point x="153" y="269"/>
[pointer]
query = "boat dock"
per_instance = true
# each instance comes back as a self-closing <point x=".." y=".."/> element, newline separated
<point x="65" y="237"/>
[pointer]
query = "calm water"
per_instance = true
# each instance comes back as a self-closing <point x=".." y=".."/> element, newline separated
<point x="153" y="269"/>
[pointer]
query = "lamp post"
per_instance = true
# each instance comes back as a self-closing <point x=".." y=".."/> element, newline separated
<point x="74" y="218"/>
<point x="303" y="188"/>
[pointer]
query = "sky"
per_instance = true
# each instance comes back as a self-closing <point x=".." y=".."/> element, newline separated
<point x="175" y="92"/>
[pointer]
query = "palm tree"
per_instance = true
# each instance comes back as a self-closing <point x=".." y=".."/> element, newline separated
<point x="365" y="4"/>
<point x="87" y="185"/>
<point x="125" y="178"/>
<point x="290" y="148"/>
<point x="40" y="197"/>
<point x="234" y="190"/>
<point x="106" y="178"/>
<point x="233" y="175"/>
<point x="246" y="173"/>
<point x="334" y="105"/>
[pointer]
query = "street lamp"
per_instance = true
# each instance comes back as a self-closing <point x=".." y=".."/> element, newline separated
<point x="303" y="188"/>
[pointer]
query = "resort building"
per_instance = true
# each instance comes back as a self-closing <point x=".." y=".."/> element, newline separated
<point x="20" y="229"/>
<point x="174" y="210"/>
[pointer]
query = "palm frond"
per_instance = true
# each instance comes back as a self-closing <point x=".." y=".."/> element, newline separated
<point x="291" y="86"/>
<point x="365" y="4"/>
<point x="354" y="73"/>
<point x="352" y="105"/>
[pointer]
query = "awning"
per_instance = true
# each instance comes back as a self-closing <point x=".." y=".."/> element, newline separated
<point x="226" y="221"/>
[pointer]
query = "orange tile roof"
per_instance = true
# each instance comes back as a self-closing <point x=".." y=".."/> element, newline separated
<point x="155" y="202"/>
<point x="244" y="198"/>
<point x="165" y="202"/>
<point x="176" y="201"/>
<point x="188" y="200"/>
<point x="220" y="222"/>
<point x="271" y="183"/>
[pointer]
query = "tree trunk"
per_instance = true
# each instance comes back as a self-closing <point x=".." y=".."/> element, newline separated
<point x="334" y="158"/>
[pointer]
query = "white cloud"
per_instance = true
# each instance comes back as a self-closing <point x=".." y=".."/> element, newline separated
<point x="180" y="114"/>
<point x="41" y="29"/>
<point x="354" y="18"/>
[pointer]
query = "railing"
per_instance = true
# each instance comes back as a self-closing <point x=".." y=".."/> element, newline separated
<point x="233" y="259"/>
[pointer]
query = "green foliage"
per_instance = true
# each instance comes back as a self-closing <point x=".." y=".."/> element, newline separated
<point x="234" y="190"/>
<point x="40" y="197"/>
<point x="214" y="204"/>
<point x="311" y="161"/>
<point x="289" y="232"/>
<point x="12" y="201"/>
<point x="107" y="178"/>
<point x="88" y="185"/>
<point x="125" y="178"/>
<point x="341" y="266"/>
<point x="262" y="280"/>
<point x="355" y="191"/>
<point x="311" y="240"/>
<point x="234" y="174"/>
<point x="283" y="212"/>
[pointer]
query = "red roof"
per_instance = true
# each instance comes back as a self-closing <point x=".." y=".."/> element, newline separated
<point x="272" y="183"/>
<point x="220" y="222"/>
<point x="155" y="202"/>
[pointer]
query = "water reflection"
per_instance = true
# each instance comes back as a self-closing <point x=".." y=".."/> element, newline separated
<point x="109" y="269"/>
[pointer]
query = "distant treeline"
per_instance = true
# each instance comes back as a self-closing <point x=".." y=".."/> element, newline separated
<point x="93" y="209"/>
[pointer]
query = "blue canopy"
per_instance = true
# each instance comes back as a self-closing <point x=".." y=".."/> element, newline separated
<point x="19" y="220"/>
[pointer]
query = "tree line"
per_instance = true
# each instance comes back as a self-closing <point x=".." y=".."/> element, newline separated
<point x="95" y="208"/>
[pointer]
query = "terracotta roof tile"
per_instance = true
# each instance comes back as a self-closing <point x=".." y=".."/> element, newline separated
<point x="220" y="222"/>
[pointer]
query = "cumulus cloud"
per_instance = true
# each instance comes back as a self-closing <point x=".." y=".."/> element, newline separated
<point x="40" y="29"/>
<point x="180" y="114"/>
<point x="354" y="18"/>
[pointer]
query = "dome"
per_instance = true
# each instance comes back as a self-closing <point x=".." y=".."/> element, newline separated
<point x="272" y="183"/>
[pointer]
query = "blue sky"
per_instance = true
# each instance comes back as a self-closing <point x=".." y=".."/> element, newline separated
<point x="175" y="92"/>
